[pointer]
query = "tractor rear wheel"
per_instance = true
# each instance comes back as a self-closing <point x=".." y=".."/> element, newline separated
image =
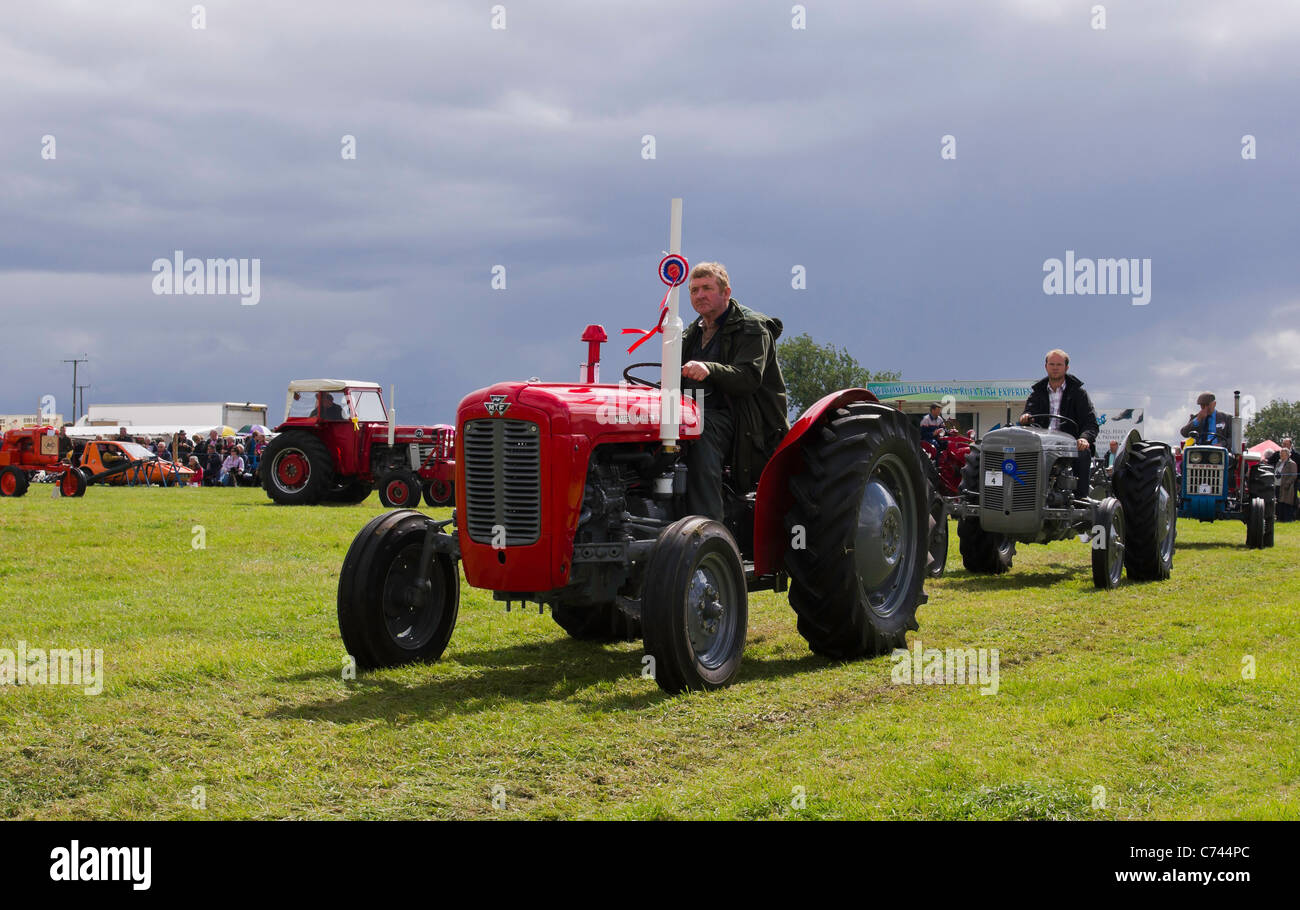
<point x="1145" y="484"/>
<point x="982" y="552"/>
<point x="399" y="489"/>
<point x="694" y="606"/>
<point x="938" y="529"/>
<point x="603" y="622"/>
<point x="298" y="470"/>
<point x="72" y="483"/>
<point x="439" y="494"/>
<point x="385" y="618"/>
<point x="1255" y="518"/>
<point x="350" y="493"/>
<point x="1261" y="485"/>
<point x="862" y="506"/>
<point x="13" y="482"/>
<point x="1108" y="549"/>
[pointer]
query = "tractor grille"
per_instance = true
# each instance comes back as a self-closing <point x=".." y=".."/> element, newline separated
<point x="1024" y="497"/>
<point x="1198" y="474"/>
<point x="503" y="480"/>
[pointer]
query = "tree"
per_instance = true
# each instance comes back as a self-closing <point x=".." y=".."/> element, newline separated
<point x="813" y="370"/>
<point x="1277" y="419"/>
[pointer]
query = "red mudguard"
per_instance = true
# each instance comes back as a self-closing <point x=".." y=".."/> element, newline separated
<point x="774" y="499"/>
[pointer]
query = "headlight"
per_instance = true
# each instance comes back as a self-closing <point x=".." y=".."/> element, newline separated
<point x="1216" y="458"/>
<point x="1196" y="457"/>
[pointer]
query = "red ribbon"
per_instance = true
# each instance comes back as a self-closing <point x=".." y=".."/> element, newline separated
<point x="659" y="326"/>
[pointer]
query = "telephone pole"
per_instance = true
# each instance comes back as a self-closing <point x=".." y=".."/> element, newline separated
<point x="81" y="399"/>
<point x="84" y="358"/>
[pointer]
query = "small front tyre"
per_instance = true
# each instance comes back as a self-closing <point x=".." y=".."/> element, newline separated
<point x="1108" y="545"/>
<point x="386" y="617"/>
<point x="694" y="606"/>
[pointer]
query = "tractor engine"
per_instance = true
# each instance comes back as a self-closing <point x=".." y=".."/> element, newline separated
<point x="564" y="489"/>
<point x="1023" y="471"/>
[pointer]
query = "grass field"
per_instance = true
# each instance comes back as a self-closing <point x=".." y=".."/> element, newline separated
<point x="223" y="672"/>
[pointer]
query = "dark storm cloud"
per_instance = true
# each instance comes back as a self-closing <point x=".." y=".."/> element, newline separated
<point x="522" y="147"/>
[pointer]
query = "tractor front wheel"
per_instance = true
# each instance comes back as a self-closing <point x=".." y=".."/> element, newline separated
<point x="938" y="554"/>
<point x="862" y="506"/>
<point x="298" y="469"/>
<point x="694" y="606"/>
<point x="439" y="494"/>
<point x="72" y="483"/>
<point x="1146" y="486"/>
<point x="386" y="616"/>
<point x="399" y="489"/>
<point x="1108" y="545"/>
<point x="1256" y="517"/>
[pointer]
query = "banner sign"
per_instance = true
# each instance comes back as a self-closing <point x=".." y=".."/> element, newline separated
<point x="1010" y="390"/>
<point x="1116" y="423"/>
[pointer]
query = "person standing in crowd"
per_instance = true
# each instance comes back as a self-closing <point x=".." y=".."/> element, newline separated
<point x="184" y="448"/>
<point x="211" y="464"/>
<point x="1109" y="459"/>
<point x="1288" y="471"/>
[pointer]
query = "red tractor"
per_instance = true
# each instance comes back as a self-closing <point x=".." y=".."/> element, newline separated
<point x="338" y="441"/>
<point x="573" y="495"/>
<point x="30" y="450"/>
<point x="944" y="459"/>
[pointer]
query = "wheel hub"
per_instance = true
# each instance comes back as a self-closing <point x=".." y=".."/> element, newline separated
<point x="291" y="469"/>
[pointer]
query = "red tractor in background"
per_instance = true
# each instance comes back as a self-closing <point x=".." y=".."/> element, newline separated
<point x="944" y="458"/>
<point x="30" y="450"/>
<point x="573" y="495"/>
<point x="338" y="442"/>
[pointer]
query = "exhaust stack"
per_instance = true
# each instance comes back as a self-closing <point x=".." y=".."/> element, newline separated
<point x="670" y="379"/>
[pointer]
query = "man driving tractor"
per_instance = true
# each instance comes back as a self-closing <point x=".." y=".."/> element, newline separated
<point x="1060" y="402"/>
<point x="729" y="355"/>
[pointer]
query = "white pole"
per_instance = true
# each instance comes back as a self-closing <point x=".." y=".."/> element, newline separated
<point x="670" y="398"/>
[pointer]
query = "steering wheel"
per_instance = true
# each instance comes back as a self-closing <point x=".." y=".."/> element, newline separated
<point x="1057" y="416"/>
<point x="637" y="380"/>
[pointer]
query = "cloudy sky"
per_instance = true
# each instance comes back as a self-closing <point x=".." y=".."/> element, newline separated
<point x="523" y="147"/>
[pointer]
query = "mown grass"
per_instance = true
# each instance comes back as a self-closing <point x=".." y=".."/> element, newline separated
<point x="223" y="671"/>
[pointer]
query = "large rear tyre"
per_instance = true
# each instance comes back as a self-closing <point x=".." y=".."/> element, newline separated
<point x="1146" y="486"/>
<point x="298" y="470"/>
<point x="603" y="623"/>
<point x="694" y="606"/>
<point x="982" y="552"/>
<point x="440" y="494"/>
<point x="1108" y="548"/>
<point x="13" y="482"/>
<point x="399" y="489"/>
<point x="862" y="506"/>
<point x="385" y="617"/>
<point x="1255" y="520"/>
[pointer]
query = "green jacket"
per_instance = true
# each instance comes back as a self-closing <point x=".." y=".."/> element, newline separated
<point x="750" y="378"/>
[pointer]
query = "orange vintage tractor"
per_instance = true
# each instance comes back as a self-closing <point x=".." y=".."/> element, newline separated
<point x="28" y="451"/>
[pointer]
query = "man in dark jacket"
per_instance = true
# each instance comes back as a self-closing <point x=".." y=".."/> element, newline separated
<point x="1208" y="426"/>
<point x="729" y="355"/>
<point x="1061" y="395"/>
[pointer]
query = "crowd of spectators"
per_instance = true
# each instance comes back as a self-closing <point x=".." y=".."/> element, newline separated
<point x="216" y="460"/>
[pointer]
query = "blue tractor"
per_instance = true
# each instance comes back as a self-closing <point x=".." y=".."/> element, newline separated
<point x="1227" y="482"/>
